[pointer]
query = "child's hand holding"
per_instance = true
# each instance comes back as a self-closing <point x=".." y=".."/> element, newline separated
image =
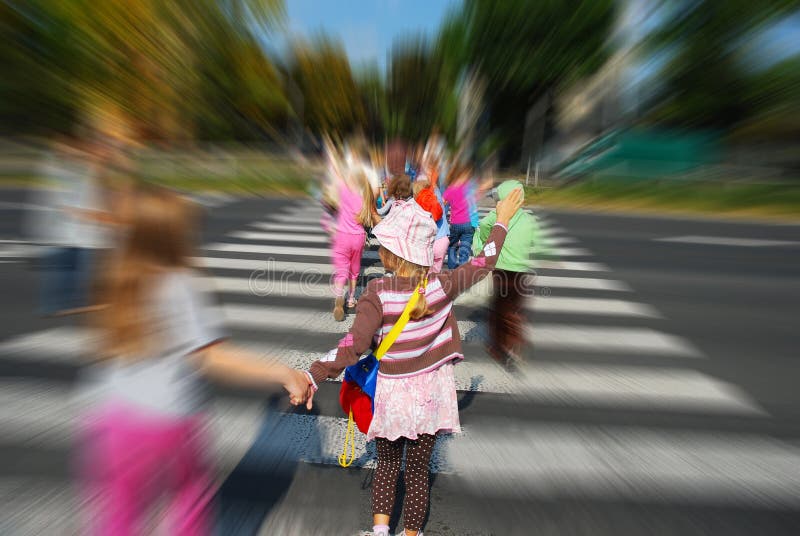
<point x="299" y="387"/>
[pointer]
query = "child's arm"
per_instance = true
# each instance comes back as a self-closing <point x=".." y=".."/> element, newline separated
<point x="369" y="317"/>
<point x="226" y="363"/>
<point x="484" y="228"/>
<point x="434" y="206"/>
<point x="384" y="210"/>
<point x="470" y="273"/>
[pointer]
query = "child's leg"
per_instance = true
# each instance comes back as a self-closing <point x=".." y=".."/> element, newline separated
<point x="440" y="247"/>
<point x="514" y="318"/>
<point x="55" y="281"/>
<point x="340" y="257"/>
<point x="384" y="483"/>
<point x="190" y="510"/>
<point x="452" y="250"/>
<point x="507" y="303"/>
<point x="351" y="301"/>
<point x="415" y="505"/>
<point x="118" y="464"/>
<point x="83" y="277"/>
<point x="465" y="244"/>
<point x="357" y="250"/>
<point x="495" y="320"/>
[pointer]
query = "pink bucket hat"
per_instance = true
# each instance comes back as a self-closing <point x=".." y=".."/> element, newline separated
<point x="408" y="232"/>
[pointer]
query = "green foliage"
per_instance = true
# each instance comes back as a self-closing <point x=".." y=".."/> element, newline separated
<point x="331" y="102"/>
<point x="174" y="70"/>
<point x="706" y="83"/>
<point x="522" y="45"/>
<point x="523" y="49"/>
<point x="774" y="100"/>
<point x="416" y="92"/>
<point x="763" y="200"/>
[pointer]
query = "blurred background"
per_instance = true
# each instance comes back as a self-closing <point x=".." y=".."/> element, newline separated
<point x="698" y="98"/>
<point x="659" y="142"/>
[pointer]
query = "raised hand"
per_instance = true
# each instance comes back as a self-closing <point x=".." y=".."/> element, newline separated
<point x="509" y="206"/>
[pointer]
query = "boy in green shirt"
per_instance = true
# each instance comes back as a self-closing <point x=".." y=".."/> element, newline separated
<point x="510" y="279"/>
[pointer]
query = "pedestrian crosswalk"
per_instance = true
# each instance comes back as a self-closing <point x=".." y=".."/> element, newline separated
<point x="17" y="250"/>
<point x="592" y="345"/>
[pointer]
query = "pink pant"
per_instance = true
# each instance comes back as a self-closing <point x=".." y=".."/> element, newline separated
<point x="346" y="256"/>
<point x="129" y="460"/>
<point x="439" y="253"/>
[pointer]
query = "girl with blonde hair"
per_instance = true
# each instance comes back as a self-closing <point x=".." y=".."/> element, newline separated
<point x="356" y="212"/>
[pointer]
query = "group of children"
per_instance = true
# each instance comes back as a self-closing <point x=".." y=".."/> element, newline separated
<point x="361" y="187"/>
<point x="143" y="436"/>
<point x="427" y="216"/>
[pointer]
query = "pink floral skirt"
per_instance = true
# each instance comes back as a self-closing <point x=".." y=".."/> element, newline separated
<point x="421" y="404"/>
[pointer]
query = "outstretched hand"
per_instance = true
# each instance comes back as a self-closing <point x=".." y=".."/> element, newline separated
<point x="506" y="208"/>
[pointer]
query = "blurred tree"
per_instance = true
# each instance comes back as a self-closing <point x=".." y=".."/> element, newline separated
<point x="331" y="102"/>
<point x="773" y="97"/>
<point x="415" y="88"/>
<point x="177" y="68"/>
<point x="242" y="90"/>
<point x="38" y="59"/>
<point x="524" y="49"/>
<point x="372" y="93"/>
<point x="705" y="84"/>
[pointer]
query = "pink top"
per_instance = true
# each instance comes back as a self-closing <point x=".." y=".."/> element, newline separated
<point x="350" y="203"/>
<point x="456" y="197"/>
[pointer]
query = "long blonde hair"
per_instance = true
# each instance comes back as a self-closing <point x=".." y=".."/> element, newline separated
<point x="157" y="240"/>
<point x="403" y="268"/>
<point x="368" y="215"/>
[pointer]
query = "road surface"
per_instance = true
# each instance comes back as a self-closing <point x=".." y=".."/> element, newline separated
<point x="659" y="394"/>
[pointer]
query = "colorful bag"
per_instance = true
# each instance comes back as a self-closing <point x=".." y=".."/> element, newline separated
<point x="357" y="393"/>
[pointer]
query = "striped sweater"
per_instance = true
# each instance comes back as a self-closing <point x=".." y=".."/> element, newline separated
<point x="424" y="344"/>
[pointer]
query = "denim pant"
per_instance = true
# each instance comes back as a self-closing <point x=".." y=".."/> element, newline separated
<point x="460" y="244"/>
<point x="65" y="279"/>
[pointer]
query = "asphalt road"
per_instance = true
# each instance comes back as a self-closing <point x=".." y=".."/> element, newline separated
<point x="659" y="395"/>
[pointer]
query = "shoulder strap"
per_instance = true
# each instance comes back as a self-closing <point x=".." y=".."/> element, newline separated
<point x="390" y="337"/>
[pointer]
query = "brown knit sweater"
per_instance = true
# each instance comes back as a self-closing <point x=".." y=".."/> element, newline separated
<point x="424" y="344"/>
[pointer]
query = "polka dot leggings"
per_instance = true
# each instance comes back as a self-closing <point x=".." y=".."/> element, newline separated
<point x="384" y="484"/>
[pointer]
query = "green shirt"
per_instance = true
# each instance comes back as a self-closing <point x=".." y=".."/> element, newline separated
<point x="523" y="239"/>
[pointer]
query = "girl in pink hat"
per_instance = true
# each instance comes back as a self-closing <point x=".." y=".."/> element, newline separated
<point x="415" y="398"/>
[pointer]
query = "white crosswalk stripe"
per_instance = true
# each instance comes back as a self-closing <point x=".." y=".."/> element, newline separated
<point x="279" y="237"/>
<point x="260" y="284"/>
<point x="273" y="267"/>
<point x="597" y="347"/>
<point x="325" y="251"/>
<point x="279" y="250"/>
<point x="17" y="250"/>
